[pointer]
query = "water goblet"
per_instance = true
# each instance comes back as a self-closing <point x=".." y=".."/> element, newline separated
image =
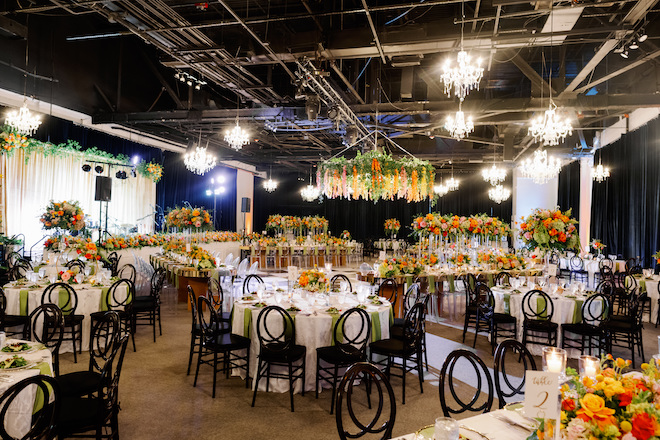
<point x="446" y="428"/>
<point x="87" y="271"/>
<point x="278" y="296"/>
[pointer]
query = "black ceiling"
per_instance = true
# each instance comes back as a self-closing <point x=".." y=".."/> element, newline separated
<point x="117" y="59"/>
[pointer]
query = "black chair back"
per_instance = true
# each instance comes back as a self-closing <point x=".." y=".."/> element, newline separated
<point x="193" y="307"/>
<point x="275" y="330"/>
<point x="215" y="293"/>
<point x="42" y="425"/>
<point x="481" y="401"/>
<point x="108" y="390"/>
<point x="208" y="319"/>
<point x="504" y="386"/>
<point x="127" y="272"/>
<point x="389" y="289"/>
<point x="335" y="282"/>
<point x="3" y="307"/>
<point x="18" y="270"/>
<point x="412" y="296"/>
<point x="413" y="327"/>
<point x="77" y="264"/>
<point x="537" y="305"/>
<point x="470" y="283"/>
<point x="157" y="282"/>
<point x="104" y="336"/>
<point x="47" y="328"/>
<point x="595" y="309"/>
<point x="120" y="295"/>
<point x="605" y="262"/>
<point x="484" y="300"/>
<point x="13" y="258"/>
<point x="62" y="294"/>
<point x="250" y="282"/>
<point x="352" y="331"/>
<point x="383" y="418"/>
<point x="503" y="279"/>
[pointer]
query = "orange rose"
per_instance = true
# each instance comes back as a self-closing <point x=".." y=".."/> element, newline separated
<point x="562" y="237"/>
<point x="568" y="405"/>
<point x="553" y="232"/>
<point x="593" y="408"/>
<point x="643" y="426"/>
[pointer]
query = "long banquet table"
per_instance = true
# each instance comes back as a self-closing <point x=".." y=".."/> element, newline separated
<point x="313" y="330"/>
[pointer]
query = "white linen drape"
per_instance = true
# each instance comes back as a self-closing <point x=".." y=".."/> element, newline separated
<point x="30" y="185"/>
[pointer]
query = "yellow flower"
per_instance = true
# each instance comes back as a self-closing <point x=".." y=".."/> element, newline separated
<point x="593" y="408"/>
<point x="625" y="426"/>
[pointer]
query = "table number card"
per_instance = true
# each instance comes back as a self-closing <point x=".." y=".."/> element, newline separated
<point x="382" y="255"/>
<point x="552" y="270"/>
<point x="541" y="394"/>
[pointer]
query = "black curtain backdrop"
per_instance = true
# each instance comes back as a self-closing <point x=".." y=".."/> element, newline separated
<point x="625" y="209"/>
<point x="365" y="219"/>
<point x="178" y="185"/>
<point x="569" y="188"/>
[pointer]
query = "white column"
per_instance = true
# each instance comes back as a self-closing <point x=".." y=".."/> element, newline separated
<point x="244" y="188"/>
<point x="586" y="184"/>
<point x="527" y="196"/>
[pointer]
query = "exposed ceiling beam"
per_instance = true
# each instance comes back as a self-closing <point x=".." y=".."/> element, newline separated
<point x="540" y="87"/>
<point x="373" y="31"/>
<point x="13" y="27"/>
<point x="632" y="65"/>
<point x="602" y="52"/>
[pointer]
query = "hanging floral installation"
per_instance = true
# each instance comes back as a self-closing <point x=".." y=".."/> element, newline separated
<point x="11" y="142"/>
<point x="454" y="226"/>
<point x="375" y="176"/>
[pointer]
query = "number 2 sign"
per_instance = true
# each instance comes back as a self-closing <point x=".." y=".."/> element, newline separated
<point x="541" y="394"/>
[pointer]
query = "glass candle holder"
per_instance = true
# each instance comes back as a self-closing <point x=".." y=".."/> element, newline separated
<point x="554" y="360"/>
<point x="446" y="428"/>
<point x="589" y="366"/>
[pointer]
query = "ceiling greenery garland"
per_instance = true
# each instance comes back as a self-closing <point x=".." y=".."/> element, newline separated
<point x="11" y="142"/>
<point x="374" y="176"/>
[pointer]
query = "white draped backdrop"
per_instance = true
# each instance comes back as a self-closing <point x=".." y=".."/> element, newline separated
<point x="28" y="186"/>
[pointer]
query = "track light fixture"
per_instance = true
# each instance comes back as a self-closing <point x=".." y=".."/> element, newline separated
<point x="87" y="168"/>
<point x="642" y="36"/>
<point x="633" y="45"/>
<point x="190" y="80"/>
<point x="98" y="169"/>
<point x="624" y="54"/>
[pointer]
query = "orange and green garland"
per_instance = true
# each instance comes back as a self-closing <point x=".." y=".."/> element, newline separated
<point x="375" y="176"/>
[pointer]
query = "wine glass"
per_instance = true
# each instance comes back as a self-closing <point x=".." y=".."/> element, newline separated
<point x="260" y="292"/>
<point x="542" y="281"/>
<point x="278" y="296"/>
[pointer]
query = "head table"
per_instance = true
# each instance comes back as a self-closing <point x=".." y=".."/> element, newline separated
<point x="40" y="361"/>
<point x="313" y="324"/>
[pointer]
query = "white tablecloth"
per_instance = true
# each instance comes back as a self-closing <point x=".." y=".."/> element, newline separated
<point x="89" y="301"/>
<point x="652" y="292"/>
<point x="564" y="313"/>
<point x="312" y="330"/>
<point x="20" y="413"/>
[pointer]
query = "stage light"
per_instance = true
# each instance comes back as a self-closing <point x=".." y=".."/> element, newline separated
<point x="118" y="175"/>
<point x="642" y="36"/>
<point x="87" y="168"/>
<point x="98" y="169"/>
<point x="624" y="54"/>
<point x="209" y="192"/>
<point x="221" y="179"/>
<point x="136" y="159"/>
<point x="133" y="172"/>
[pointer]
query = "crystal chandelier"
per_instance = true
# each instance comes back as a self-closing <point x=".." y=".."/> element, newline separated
<point x="200" y="161"/>
<point x="270" y="185"/>
<point x="494" y="175"/>
<point x="550" y="129"/>
<point x="541" y="168"/>
<point x="600" y="173"/>
<point x="440" y="190"/>
<point x="310" y="193"/>
<point x="498" y="194"/>
<point x="458" y="127"/>
<point x="465" y="76"/>
<point x="237" y="137"/>
<point x="452" y="184"/>
<point x="22" y="121"/>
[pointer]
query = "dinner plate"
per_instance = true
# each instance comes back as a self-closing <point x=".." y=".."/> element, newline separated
<point x="31" y="349"/>
<point x="29" y="364"/>
<point x="426" y="433"/>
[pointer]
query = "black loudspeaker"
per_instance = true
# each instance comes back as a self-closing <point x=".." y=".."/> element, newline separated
<point x="245" y="204"/>
<point x="103" y="189"/>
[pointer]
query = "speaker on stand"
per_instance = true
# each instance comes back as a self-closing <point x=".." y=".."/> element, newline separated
<point x="103" y="193"/>
<point x="245" y="208"/>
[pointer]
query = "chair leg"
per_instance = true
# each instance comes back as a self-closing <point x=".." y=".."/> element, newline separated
<point x="192" y="349"/>
<point x="291" y="385"/>
<point x="73" y="342"/>
<point x="420" y="372"/>
<point x="153" y="316"/>
<point x="255" y="383"/>
<point x="403" y="400"/>
<point x="215" y="371"/>
<point x="476" y="332"/>
<point x="160" y="329"/>
<point x="199" y="361"/>
<point x="334" y="388"/>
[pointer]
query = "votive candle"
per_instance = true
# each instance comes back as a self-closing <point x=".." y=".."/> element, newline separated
<point x="554" y="360"/>
<point x="589" y="366"/>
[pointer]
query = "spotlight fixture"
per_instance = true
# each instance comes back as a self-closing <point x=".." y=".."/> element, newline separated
<point x="87" y="168"/>
<point x="312" y="107"/>
<point x="121" y="175"/>
<point x="624" y="54"/>
<point x="642" y="35"/>
<point x="98" y="169"/>
<point x="133" y="172"/>
<point x="187" y="78"/>
<point x="633" y="45"/>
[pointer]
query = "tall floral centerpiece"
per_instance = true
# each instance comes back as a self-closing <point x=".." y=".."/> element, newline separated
<point x="63" y="216"/>
<point x="550" y="229"/>
<point x="657" y="257"/>
<point x="392" y="227"/>
<point x="189" y="218"/>
<point x="597" y="246"/>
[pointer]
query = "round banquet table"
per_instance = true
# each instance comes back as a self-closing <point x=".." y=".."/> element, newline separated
<point x="19" y="414"/>
<point x="567" y="310"/>
<point x="23" y="297"/>
<point x="313" y="330"/>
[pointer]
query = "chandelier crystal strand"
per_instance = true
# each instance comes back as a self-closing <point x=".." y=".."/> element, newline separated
<point x="237" y="137"/>
<point x="465" y="76"/>
<point x="494" y="175"/>
<point x="22" y="121"/>
<point x="199" y="162"/>
<point x="540" y="168"/>
<point x="550" y="129"/>
<point x="440" y="190"/>
<point x="452" y="184"/>
<point x="458" y="127"/>
<point x="310" y="193"/>
<point x="498" y="194"/>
